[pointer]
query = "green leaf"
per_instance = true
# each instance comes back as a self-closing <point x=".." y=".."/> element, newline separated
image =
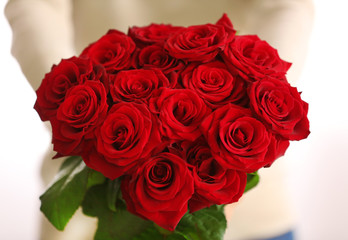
<point x="94" y="178"/>
<point x="150" y="233"/>
<point x="205" y="224"/>
<point x="113" y="193"/>
<point x="252" y="181"/>
<point x="64" y="196"/>
<point x="119" y="225"/>
<point x="176" y="236"/>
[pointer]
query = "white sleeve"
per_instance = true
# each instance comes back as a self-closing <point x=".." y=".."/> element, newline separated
<point x="42" y="35"/>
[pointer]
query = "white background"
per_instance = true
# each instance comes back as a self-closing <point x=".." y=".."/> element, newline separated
<point x="319" y="165"/>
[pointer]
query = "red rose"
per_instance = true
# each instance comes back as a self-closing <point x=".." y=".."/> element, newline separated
<point x="253" y="59"/>
<point x="239" y="141"/>
<point x="155" y="56"/>
<point x="215" y="84"/>
<point x="84" y="108"/>
<point x="280" y="107"/>
<point x="180" y="111"/>
<point x="136" y="84"/>
<point x="227" y="24"/>
<point x="159" y="190"/>
<point x="128" y="133"/>
<point x="214" y="184"/>
<point x="99" y="74"/>
<point x="52" y="91"/>
<point x="197" y="43"/>
<point x="113" y="50"/>
<point x="152" y="34"/>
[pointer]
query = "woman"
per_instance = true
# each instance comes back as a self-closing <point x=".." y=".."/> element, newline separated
<point x="45" y="31"/>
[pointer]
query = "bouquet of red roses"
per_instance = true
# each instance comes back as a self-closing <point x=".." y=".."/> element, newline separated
<point x="165" y="125"/>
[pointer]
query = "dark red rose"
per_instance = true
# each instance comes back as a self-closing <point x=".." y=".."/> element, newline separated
<point x="95" y="160"/>
<point x="215" y="84"/>
<point x="52" y="91"/>
<point x="239" y="141"/>
<point x="253" y="59"/>
<point x="214" y="184"/>
<point x="178" y="147"/>
<point x="197" y="43"/>
<point x="113" y="50"/>
<point x="152" y="34"/>
<point x="159" y="190"/>
<point x="280" y="107"/>
<point x="155" y="56"/>
<point x="180" y="111"/>
<point x="84" y="108"/>
<point x="128" y="133"/>
<point x="138" y="84"/>
<point x="99" y="74"/>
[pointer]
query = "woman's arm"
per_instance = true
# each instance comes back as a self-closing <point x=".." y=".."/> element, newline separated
<point x="286" y="25"/>
<point x="42" y="35"/>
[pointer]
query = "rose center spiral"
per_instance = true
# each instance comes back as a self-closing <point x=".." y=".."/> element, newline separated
<point x="161" y="173"/>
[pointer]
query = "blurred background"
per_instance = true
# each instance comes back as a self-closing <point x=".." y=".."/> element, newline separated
<point x="317" y="171"/>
